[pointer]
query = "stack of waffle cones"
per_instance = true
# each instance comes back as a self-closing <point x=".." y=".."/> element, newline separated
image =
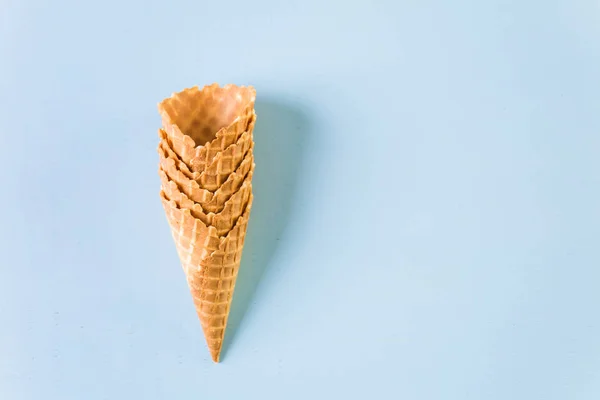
<point x="206" y="166"/>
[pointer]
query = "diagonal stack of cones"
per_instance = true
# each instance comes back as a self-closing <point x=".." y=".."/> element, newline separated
<point x="206" y="166"/>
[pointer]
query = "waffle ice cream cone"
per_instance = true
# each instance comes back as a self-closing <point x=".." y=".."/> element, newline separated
<point x="221" y="166"/>
<point x="211" y="263"/>
<point x="222" y="220"/>
<point x="211" y="201"/>
<point x="206" y="165"/>
<point x="225" y="163"/>
<point x="165" y="150"/>
<point x="201" y="122"/>
<point x="204" y="159"/>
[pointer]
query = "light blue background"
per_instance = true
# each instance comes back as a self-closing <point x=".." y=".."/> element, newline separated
<point x="427" y="210"/>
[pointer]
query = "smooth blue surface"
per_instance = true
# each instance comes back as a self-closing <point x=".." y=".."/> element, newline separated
<point x="427" y="213"/>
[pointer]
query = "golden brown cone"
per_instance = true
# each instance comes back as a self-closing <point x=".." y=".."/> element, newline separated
<point x="209" y="200"/>
<point x="200" y="164"/>
<point x="223" y="220"/>
<point x="221" y="166"/>
<point x="211" y="264"/>
<point x="224" y="163"/>
<point x="200" y="122"/>
<point x="204" y="160"/>
<point x="167" y="151"/>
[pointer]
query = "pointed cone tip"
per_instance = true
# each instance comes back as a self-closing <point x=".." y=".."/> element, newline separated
<point x="214" y="354"/>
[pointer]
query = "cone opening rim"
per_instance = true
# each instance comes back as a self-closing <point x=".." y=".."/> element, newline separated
<point x="197" y="123"/>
